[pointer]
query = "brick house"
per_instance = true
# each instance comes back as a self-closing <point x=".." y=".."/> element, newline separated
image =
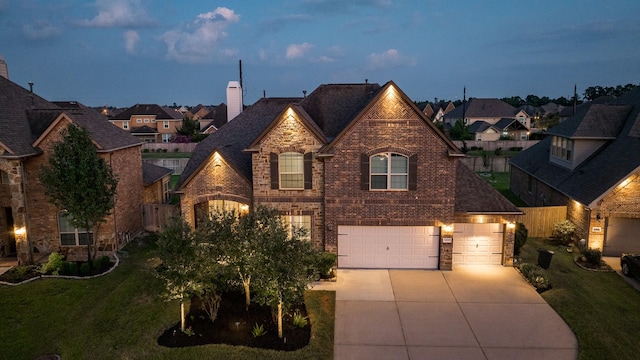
<point x="590" y="163"/>
<point x="363" y="170"/>
<point x="30" y="226"/>
<point x="493" y="114"/>
<point x="149" y="122"/>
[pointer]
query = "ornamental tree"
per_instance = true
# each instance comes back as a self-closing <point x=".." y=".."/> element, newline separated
<point x="77" y="180"/>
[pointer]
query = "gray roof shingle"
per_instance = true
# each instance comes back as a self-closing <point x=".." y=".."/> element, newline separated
<point x="476" y="107"/>
<point x="152" y="173"/>
<point x="474" y="195"/>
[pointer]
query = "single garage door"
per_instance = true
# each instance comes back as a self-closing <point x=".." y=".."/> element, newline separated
<point x="623" y="235"/>
<point x="477" y="244"/>
<point x="388" y="247"/>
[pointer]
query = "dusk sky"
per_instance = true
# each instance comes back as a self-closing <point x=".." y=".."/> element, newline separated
<point x="123" y="52"/>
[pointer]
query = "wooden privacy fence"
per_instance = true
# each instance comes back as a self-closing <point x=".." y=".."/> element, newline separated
<point x="156" y="217"/>
<point x="540" y="221"/>
<point x="169" y="147"/>
<point x="494" y="163"/>
<point x="177" y="165"/>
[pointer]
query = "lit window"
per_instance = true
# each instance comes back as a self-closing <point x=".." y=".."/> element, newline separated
<point x="291" y="166"/>
<point x="389" y="171"/>
<point x="69" y="235"/>
<point x="297" y="223"/>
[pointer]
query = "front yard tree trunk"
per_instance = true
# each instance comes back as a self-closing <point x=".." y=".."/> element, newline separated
<point x="280" y="319"/>
<point x="247" y="292"/>
<point x="182" y="319"/>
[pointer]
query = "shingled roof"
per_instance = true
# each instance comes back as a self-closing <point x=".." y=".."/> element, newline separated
<point x="477" y="107"/>
<point x="152" y="173"/>
<point x="233" y="138"/>
<point x="599" y="173"/>
<point x="474" y="195"/>
<point x="24" y="116"/>
<point x="160" y="112"/>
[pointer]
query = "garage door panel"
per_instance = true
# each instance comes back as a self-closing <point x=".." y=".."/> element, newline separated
<point x="400" y="247"/>
<point x="477" y="243"/>
<point x="623" y="235"/>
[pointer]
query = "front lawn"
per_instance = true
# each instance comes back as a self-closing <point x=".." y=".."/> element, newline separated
<point x="121" y="315"/>
<point x="601" y="308"/>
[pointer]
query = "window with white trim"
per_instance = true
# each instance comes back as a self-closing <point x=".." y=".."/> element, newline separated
<point x="166" y="124"/>
<point x="293" y="222"/>
<point x="291" y="166"/>
<point x="125" y="125"/>
<point x="166" y="191"/>
<point x="166" y="138"/>
<point x="139" y="121"/>
<point x="69" y="235"/>
<point x="389" y="171"/>
<point x="562" y="148"/>
<point x="146" y="121"/>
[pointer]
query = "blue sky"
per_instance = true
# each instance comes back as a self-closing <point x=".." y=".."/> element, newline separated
<point x="123" y="52"/>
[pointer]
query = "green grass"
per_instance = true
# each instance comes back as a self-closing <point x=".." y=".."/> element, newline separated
<point x="165" y="155"/>
<point x="601" y="308"/>
<point x="120" y="316"/>
<point x="501" y="182"/>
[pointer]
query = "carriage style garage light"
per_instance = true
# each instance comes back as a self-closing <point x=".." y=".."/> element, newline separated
<point x="511" y="225"/>
<point x="448" y="228"/>
<point x="20" y="231"/>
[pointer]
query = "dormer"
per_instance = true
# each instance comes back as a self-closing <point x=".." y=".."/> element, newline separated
<point x="580" y="136"/>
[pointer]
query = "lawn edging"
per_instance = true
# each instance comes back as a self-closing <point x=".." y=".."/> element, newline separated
<point x="115" y="265"/>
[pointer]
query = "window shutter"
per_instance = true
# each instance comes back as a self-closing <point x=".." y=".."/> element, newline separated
<point x="413" y="172"/>
<point x="308" y="170"/>
<point x="364" y="172"/>
<point x="275" y="178"/>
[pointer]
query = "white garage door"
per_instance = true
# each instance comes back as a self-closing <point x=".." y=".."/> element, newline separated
<point x="388" y="247"/>
<point x="623" y="235"/>
<point x="477" y="244"/>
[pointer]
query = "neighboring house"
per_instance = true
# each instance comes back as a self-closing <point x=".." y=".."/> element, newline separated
<point x="590" y="163"/>
<point x="491" y="111"/>
<point x="436" y="111"/>
<point x="149" y="122"/>
<point x="30" y="226"/>
<point x="156" y="180"/>
<point x="199" y="111"/>
<point x="363" y="170"/>
<point x="214" y="119"/>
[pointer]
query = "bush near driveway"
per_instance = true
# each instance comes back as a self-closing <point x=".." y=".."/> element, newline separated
<point x="600" y="307"/>
<point x="121" y="315"/>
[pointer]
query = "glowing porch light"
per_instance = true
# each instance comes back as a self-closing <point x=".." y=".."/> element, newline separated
<point x="511" y="225"/>
<point x="20" y="231"/>
<point x="448" y="228"/>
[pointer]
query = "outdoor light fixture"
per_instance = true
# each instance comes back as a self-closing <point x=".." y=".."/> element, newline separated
<point x="20" y="231"/>
<point x="448" y="228"/>
<point x="511" y="225"/>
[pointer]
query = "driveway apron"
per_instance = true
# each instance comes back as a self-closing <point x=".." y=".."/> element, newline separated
<point x="472" y="312"/>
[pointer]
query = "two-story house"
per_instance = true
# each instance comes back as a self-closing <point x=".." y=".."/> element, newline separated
<point x="436" y="110"/>
<point x="493" y="119"/>
<point x="149" y="122"/>
<point x="363" y="170"/>
<point x="590" y="163"/>
<point x="30" y="226"/>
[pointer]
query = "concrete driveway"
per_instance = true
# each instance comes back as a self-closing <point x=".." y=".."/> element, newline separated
<point x="472" y="312"/>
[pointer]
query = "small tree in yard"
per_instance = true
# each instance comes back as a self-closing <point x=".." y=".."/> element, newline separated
<point x="78" y="180"/>
<point x="178" y="250"/>
<point x="287" y="267"/>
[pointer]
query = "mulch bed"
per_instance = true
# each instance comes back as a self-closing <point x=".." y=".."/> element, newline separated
<point x="233" y="327"/>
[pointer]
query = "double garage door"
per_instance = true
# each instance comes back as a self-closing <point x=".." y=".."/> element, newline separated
<point x="416" y="247"/>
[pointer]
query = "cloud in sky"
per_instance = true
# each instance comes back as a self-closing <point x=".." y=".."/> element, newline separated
<point x="119" y="13"/>
<point x="197" y="40"/>
<point x="40" y="30"/>
<point x="295" y="51"/>
<point x="388" y="59"/>
<point x="131" y="39"/>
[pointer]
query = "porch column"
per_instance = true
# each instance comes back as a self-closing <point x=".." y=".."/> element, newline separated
<point x="19" y="212"/>
<point x="508" y="243"/>
<point x="446" y="247"/>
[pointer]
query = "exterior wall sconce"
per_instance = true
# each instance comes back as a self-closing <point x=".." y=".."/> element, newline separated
<point x="448" y="228"/>
<point x="20" y="231"/>
<point x="511" y="225"/>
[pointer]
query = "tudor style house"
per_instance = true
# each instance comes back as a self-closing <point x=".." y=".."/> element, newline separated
<point x="30" y="226"/>
<point x="363" y="170"/>
<point x="149" y="122"/>
<point x="490" y="119"/>
<point x="590" y="163"/>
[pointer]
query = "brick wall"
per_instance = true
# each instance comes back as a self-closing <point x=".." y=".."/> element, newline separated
<point x="540" y="193"/>
<point x="389" y="125"/>
<point x="215" y="180"/>
<point x="290" y="135"/>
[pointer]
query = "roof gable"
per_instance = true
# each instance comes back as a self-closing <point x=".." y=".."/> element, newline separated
<point x="478" y="107"/>
<point x="161" y="113"/>
<point x="474" y="195"/>
<point x="291" y="111"/>
<point x="597" y="121"/>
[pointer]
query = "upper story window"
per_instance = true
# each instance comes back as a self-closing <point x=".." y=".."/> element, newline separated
<point x="166" y="124"/>
<point x="125" y="125"/>
<point x="291" y="171"/>
<point x="139" y="121"/>
<point x="291" y="167"/>
<point x="69" y="235"/>
<point x="389" y="171"/>
<point x="562" y="148"/>
<point x="146" y="121"/>
<point x="4" y="177"/>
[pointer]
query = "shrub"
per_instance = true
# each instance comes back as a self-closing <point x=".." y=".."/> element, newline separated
<point x="176" y="150"/>
<point x="73" y="268"/>
<point x="299" y="320"/>
<point x="536" y="276"/>
<point x="325" y="262"/>
<point x="145" y="150"/>
<point x="54" y="265"/>
<point x="164" y="150"/>
<point x="520" y="237"/>
<point x="516" y="148"/>
<point x="593" y="256"/>
<point x="258" y="330"/>
<point x="498" y="151"/>
<point x="563" y="232"/>
<point x="102" y="264"/>
<point x="85" y="269"/>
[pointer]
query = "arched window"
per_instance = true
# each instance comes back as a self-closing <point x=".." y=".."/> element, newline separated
<point x="389" y="171"/>
<point x="69" y="235"/>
